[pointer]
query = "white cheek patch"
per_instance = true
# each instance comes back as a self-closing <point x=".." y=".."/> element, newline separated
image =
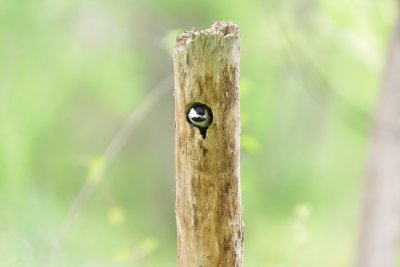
<point x="193" y="114"/>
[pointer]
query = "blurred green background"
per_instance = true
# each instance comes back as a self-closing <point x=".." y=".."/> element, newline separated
<point x="72" y="72"/>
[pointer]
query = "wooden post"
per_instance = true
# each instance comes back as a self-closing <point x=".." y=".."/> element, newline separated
<point x="208" y="202"/>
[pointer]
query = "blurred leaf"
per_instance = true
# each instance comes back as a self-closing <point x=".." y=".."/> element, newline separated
<point x="116" y="216"/>
<point x="149" y="245"/>
<point x="96" y="168"/>
<point x="245" y="85"/>
<point x="250" y="144"/>
<point x="123" y="255"/>
<point x="302" y="210"/>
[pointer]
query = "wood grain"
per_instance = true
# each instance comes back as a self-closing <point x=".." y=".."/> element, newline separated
<point x="208" y="201"/>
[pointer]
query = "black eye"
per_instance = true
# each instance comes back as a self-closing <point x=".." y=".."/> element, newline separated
<point x="200" y="115"/>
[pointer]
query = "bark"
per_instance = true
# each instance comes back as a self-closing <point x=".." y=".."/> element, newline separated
<point x="208" y="201"/>
<point x="378" y="244"/>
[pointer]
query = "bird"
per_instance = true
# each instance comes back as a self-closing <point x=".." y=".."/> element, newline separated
<point x="200" y="116"/>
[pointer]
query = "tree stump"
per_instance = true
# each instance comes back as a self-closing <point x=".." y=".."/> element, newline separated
<point x="207" y="122"/>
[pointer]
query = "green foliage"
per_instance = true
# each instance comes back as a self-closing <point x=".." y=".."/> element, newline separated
<point x="73" y="71"/>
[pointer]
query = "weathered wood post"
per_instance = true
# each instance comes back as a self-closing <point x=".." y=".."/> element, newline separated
<point x="208" y="201"/>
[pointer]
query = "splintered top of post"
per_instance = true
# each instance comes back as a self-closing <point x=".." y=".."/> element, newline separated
<point x="219" y="28"/>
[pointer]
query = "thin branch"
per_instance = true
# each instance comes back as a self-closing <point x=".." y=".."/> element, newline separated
<point x="112" y="150"/>
<point x="122" y="136"/>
